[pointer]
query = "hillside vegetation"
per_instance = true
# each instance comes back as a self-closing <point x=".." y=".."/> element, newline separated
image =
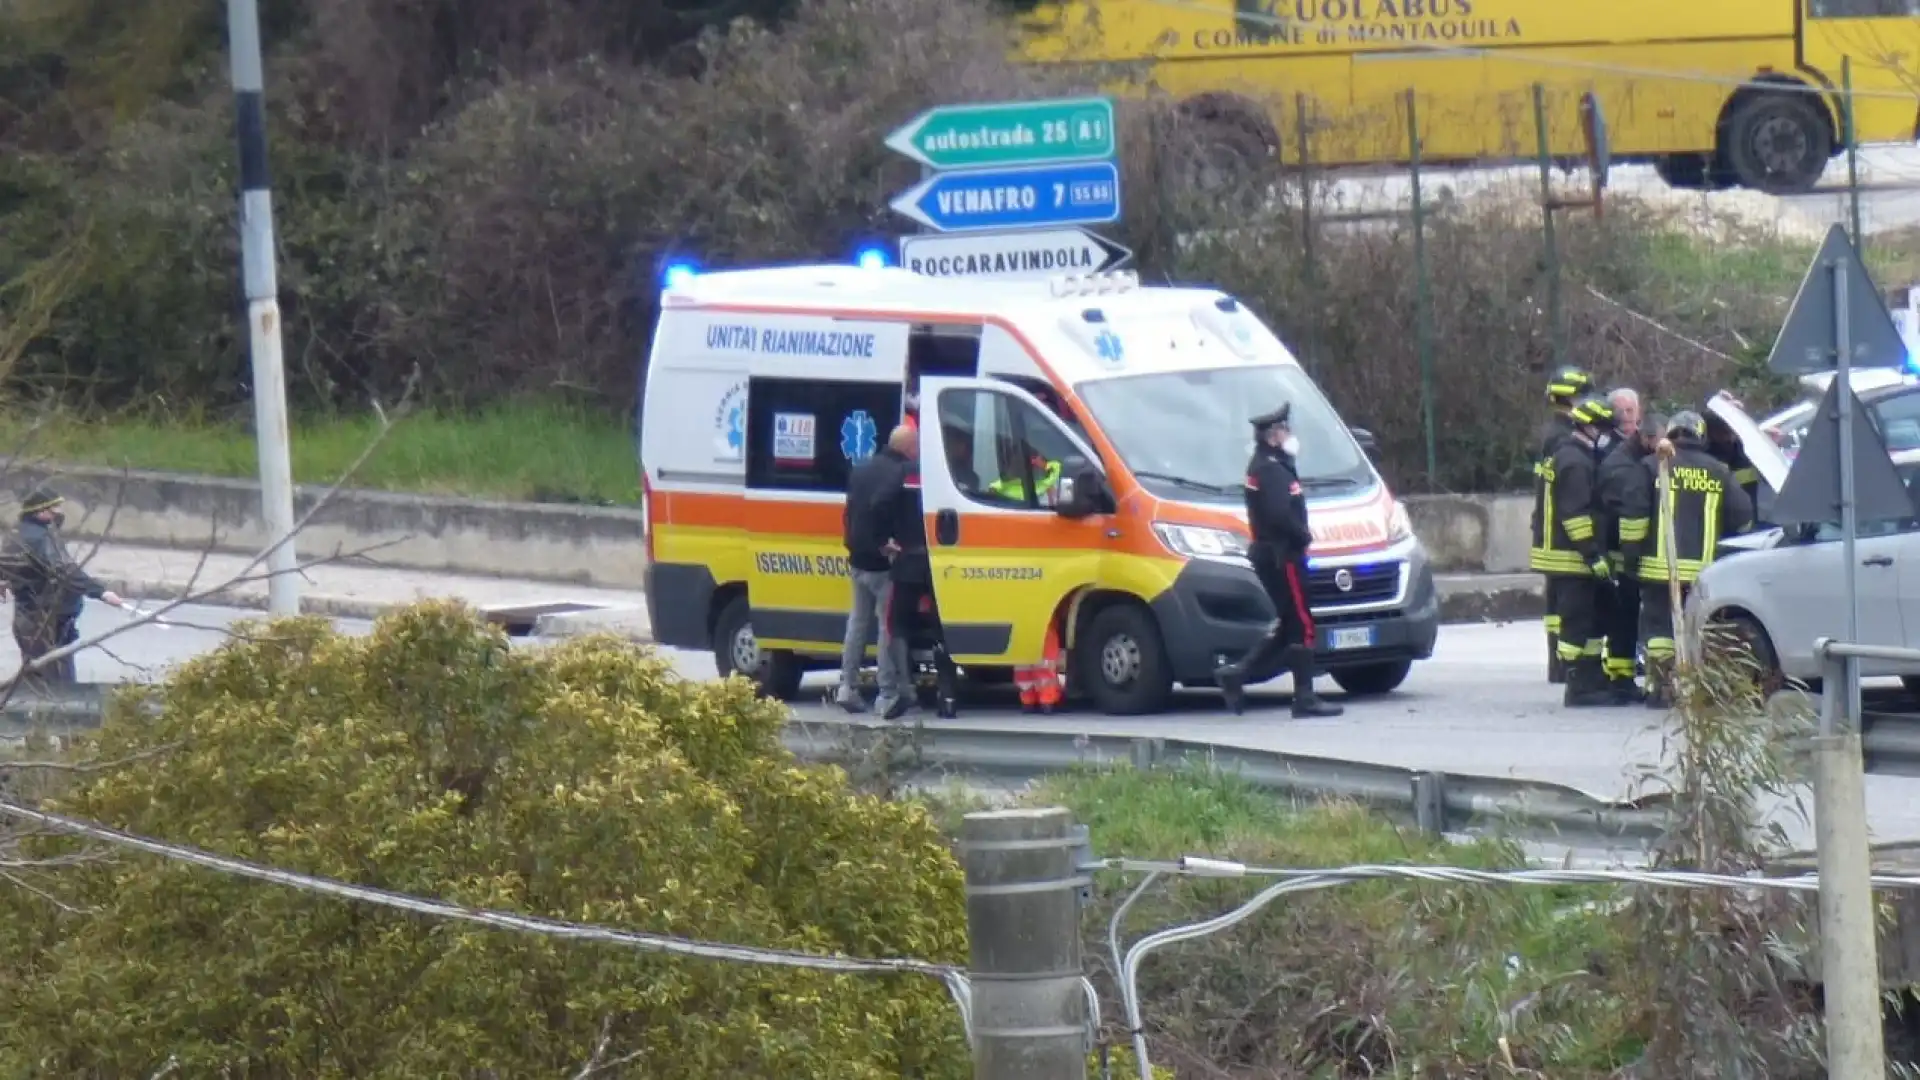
<point x="484" y="191"/>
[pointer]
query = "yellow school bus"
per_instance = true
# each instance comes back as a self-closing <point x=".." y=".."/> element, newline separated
<point x="1713" y="92"/>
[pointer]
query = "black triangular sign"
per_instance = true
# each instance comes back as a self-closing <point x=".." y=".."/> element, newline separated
<point x="1808" y="338"/>
<point x="1115" y="257"/>
<point x="1811" y="492"/>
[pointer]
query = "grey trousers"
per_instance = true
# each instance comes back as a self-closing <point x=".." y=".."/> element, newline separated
<point x="872" y="592"/>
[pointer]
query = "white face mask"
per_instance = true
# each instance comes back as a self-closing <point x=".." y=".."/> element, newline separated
<point x="1291" y="444"/>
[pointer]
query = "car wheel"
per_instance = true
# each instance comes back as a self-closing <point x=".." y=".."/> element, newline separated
<point x="1751" y="638"/>
<point x="1122" y="662"/>
<point x="775" y="672"/>
<point x="1370" y="680"/>
<point x="1777" y="143"/>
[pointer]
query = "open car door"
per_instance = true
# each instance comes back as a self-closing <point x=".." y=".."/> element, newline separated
<point x="1010" y="542"/>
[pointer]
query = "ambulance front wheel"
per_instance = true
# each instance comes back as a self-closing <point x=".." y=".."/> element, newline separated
<point x="1122" y="664"/>
<point x="775" y="672"/>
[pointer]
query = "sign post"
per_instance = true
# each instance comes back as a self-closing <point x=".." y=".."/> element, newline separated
<point x="1837" y="323"/>
<point x="1006" y="186"/>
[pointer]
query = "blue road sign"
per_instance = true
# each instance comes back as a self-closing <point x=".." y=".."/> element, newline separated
<point x="1080" y="193"/>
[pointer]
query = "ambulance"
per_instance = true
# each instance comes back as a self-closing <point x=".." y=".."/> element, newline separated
<point x="765" y="387"/>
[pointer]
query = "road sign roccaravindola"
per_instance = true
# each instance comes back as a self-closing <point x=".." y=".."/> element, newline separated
<point x="1004" y="256"/>
<point x="1008" y="133"/>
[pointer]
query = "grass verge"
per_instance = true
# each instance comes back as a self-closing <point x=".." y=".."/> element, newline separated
<point x="1385" y="979"/>
<point x="527" y="452"/>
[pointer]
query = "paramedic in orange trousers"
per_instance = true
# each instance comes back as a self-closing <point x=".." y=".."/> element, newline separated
<point x="1277" y="514"/>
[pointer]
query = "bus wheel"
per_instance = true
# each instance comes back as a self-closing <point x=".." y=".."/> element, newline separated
<point x="1777" y="143"/>
<point x="775" y="672"/>
<point x="1122" y="662"/>
<point x="1684" y="172"/>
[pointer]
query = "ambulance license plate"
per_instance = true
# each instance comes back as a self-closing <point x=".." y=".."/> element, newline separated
<point x="1351" y="637"/>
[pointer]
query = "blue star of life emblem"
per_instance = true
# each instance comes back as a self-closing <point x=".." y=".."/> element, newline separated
<point x="1107" y="345"/>
<point x="736" y="427"/>
<point x="859" y="436"/>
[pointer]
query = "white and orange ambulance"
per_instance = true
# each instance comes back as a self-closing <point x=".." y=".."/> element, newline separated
<point x="765" y="387"/>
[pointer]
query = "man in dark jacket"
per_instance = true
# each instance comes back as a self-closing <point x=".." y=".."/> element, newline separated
<point x="876" y="490"/>
<point x="1277" y="516"/>
<point x="911" y="602"/>
<point x="1625" y="491"/>
<point x="48" y="587"/>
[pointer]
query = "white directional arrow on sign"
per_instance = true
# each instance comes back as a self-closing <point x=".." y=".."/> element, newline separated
<point x="1007" y="256"/>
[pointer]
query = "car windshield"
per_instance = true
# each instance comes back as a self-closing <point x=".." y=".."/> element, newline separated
<point x="1190" y="429"/>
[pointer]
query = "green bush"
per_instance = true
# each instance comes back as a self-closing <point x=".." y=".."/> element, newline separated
<point x="585" y="783"/>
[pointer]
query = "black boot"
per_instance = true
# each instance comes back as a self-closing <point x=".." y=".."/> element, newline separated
<point x="1659" y="684"/>
<point x="1587" y="685"/>
<point x="1232" y="678"/>
<point x="1556" y="667"/>
<point x="1308" y="705"/>
<point x="1232" y="681"/>
<point x="1625" y="691"/>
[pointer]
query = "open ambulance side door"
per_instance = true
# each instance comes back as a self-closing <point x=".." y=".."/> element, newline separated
<point x="822" y="395"/>
<point x="1006" y="555"/>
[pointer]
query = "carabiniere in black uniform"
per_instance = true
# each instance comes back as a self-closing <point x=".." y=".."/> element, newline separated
<point x="1277" y="516"/>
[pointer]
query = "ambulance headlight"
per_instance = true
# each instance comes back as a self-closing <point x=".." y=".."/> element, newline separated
<point x="1200" y="541"/>
<point x="1399" y="524"/>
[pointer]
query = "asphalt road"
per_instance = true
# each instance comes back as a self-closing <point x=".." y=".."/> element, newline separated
<point x="1481" y="706"/>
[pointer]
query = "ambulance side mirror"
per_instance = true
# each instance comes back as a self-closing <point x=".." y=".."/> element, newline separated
<point x="1368" y="444"/>
<point x="1083" y="491"/>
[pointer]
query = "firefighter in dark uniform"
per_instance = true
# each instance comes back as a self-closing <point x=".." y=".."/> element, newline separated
<point x="1626" y="490"/>
<point x="48" y="586"/>
<point x="1570" y="554"/>
<point x="1277" y="515"/>
<point x="1703" y="504"/>
<point x="1565" y="387"/>
<point x="1722" y="443"/>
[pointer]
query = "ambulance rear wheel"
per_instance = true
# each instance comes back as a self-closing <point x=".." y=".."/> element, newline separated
<point x="1122" y="662"/>
<point x="775" y="672"/>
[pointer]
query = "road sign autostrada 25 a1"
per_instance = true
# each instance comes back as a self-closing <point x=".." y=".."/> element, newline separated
<point x="1003" y="256"/>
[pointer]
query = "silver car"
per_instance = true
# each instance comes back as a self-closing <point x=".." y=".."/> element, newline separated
<point x="1783" y="588"/>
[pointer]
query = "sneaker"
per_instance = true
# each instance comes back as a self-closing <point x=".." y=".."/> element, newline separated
<point x="851" y="702"/>
<point x="896" y="709"/>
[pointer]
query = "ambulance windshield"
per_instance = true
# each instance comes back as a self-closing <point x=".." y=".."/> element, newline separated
<point x="1191" y="430"/>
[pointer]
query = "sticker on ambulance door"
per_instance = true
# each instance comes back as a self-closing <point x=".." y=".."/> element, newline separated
<point x="793" y="438"/>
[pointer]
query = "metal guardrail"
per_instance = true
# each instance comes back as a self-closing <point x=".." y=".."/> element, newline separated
<point x="1437" y="802"/>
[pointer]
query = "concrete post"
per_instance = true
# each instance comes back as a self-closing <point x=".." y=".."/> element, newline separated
<point x="1023" y="925"/>
<point x="1849" y="955"/>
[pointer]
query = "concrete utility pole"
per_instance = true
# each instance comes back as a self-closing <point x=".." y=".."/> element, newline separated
<point x="263" y="307"/>
<point x="1023" y="922"/>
